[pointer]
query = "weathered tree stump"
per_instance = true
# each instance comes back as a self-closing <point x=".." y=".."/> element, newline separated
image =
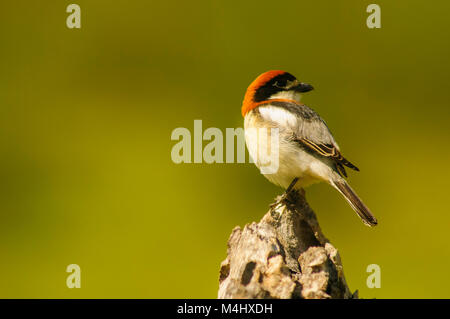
<point x="285" y="255"/>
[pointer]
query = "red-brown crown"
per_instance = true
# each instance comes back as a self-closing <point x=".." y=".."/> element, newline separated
<point x="262" y="88"/>
<point x="267" y="87"/>
<point x="249" y="102"/>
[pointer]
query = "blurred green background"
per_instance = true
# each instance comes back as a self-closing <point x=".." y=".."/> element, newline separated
<point x="85" y="169"/>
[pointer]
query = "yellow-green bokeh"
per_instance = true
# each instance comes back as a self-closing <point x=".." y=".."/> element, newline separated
<point x="86" y="117"/>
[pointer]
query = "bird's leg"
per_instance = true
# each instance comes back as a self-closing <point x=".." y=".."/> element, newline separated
<point x="291" y="186"/>
<point x="281" y="199"/>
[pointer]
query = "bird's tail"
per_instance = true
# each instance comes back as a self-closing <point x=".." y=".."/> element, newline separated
<point x="355" y="202"/>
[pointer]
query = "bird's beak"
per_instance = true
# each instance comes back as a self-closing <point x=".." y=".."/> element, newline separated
<point x="303" y="87"/>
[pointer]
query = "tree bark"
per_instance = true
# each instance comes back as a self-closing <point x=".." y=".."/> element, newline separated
<point x="285" y="255"/>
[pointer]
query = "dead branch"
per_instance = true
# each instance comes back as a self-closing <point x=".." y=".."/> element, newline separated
<point x="285" y="255"/>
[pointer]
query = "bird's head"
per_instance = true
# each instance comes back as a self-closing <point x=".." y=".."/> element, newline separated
<point x="273" y="85"/>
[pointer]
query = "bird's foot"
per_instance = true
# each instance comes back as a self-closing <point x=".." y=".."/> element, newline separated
<point x="279" y="201"/>
<point x="287" y="199"/>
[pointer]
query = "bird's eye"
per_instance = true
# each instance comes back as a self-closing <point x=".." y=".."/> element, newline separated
<point x="280" y="84"/>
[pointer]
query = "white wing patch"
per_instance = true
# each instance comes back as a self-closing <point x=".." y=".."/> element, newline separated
<point x="278" y="115"/>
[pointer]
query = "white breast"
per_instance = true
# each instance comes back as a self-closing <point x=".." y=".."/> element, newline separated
<point x="293" y="161"/>
<point x="278" y="115"/>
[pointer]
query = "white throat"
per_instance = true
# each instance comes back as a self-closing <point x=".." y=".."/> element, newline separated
<point x="290" y="95"/>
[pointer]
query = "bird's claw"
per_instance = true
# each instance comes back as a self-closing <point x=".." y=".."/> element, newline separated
<point x="280" y="200"/>
<point x="285" y="197"/>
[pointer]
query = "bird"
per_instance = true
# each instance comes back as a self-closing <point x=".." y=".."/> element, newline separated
<point x="307" y="150"/>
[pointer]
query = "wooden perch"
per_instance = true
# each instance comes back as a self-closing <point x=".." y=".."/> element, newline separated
<point x="285" y="255"/>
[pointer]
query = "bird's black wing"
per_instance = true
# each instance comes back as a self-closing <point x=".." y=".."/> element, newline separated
<point x="330" y="151"/>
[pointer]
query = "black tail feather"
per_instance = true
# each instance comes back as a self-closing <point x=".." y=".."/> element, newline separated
<point x="356" y="203"/>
